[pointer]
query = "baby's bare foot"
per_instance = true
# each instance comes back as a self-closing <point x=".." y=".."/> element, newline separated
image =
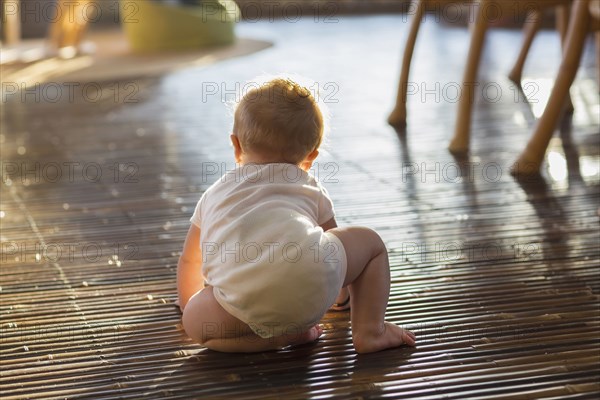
<point x="389" y="336"/>
<point x="310" y="335"/>
<point x="342" y="302"/>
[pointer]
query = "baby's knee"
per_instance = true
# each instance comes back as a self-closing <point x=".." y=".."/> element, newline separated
<point x="378" y="242"/>
<point x="361" y="237"/>
<point x="373" y="239"/>
<point x="194" y="319"/>
<point x="194" y="327"/>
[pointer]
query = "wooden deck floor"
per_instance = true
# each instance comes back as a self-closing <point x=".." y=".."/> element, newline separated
<point x="499" y="279"/>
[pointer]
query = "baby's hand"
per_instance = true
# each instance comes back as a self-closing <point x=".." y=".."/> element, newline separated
<point x="178" y="305"/>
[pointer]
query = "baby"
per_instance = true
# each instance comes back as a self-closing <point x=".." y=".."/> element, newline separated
<point x="265" y="240"/>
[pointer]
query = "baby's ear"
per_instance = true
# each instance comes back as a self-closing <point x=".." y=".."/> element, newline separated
<point x="237" y="148"/>
<point x="314" y="154"/>
<point x="308" y="161"/>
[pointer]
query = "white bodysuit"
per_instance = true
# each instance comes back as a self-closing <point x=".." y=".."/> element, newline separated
<point x="267" y="259"/>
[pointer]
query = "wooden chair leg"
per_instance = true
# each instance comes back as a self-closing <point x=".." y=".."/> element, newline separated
<point x="79" y="26"/>
<point x="397" y="117"/>
<point x="68" y="30"/>
<point x="532" y="26"/>
<point x="460" y="142"/>
<point x="12" y="22"/>
<point x="55" y="33"/>
<point x="531" y="159"/>
<point x="562" y="24"/>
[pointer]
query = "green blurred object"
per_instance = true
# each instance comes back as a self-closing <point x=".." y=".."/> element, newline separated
<point x="151" y="26"/>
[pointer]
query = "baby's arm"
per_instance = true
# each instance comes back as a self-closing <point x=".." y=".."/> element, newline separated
<point x="189" y="268"/>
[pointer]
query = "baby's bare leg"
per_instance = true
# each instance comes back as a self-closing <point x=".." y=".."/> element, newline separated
<point x="205" y="321"/>
<point x="368" y="277"/>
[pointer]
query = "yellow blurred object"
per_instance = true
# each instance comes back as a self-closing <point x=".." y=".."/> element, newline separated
<point x="151" y="26"/>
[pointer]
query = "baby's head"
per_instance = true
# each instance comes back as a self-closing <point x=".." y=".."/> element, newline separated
<point x="278" y="121"/>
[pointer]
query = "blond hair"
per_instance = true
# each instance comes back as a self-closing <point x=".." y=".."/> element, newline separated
<point x="281" y="119"/>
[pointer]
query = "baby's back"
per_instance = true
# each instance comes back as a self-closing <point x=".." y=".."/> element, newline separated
<point x="261" y="240"/>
